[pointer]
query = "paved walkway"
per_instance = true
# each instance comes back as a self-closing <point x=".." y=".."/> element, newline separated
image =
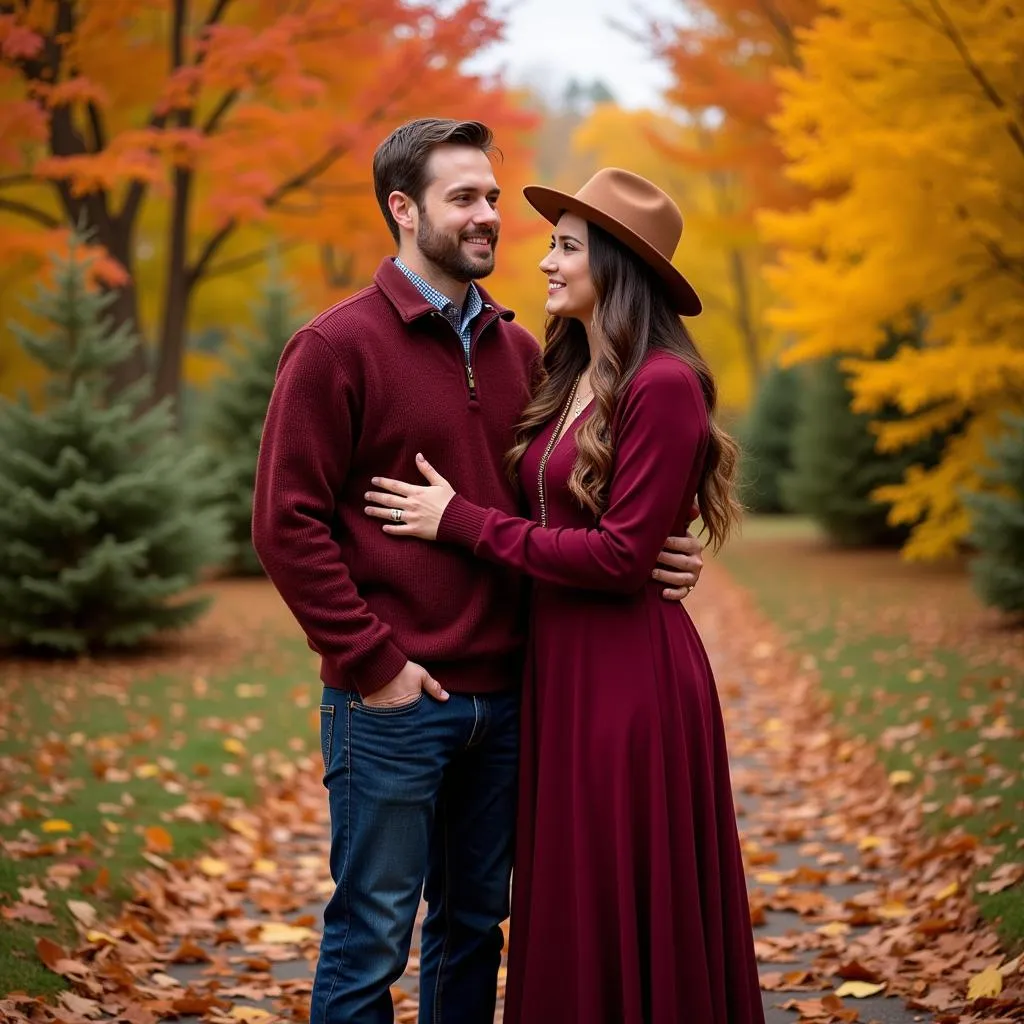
<point x="820" y="885"/>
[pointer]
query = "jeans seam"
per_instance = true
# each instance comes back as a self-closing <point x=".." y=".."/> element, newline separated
<point x="476" y="720"/>
<point x="343" y="885"/>
<point x="445" y="893"/>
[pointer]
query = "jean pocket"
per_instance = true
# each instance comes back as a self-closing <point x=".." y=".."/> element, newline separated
<point x="326" y="734"/>
<point x="389" y="710"/>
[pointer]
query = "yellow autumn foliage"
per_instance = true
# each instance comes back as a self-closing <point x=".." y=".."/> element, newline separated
<point x="905" y="120"/>
<point x="722" y="260"/>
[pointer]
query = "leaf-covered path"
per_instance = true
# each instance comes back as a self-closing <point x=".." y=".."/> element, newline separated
<point x="860" y="915"/>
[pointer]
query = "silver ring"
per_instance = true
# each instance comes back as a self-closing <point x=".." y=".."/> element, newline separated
<point x="396" y="515"/>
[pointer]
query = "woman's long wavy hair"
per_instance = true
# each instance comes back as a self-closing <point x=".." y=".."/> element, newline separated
<point x="635" y="316"/>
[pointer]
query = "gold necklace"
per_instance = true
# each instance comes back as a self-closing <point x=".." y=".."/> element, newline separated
<point x="552" y="441"/>
<point x="581" y="400"/>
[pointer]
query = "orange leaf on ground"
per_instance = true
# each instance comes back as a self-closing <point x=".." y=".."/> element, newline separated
<point x="158" y="839"/>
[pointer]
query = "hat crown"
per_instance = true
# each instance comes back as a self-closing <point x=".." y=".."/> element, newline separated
<point x="637" y="204"/>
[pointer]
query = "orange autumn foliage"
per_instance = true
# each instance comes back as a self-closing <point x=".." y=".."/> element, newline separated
<point x="191" y="138"/>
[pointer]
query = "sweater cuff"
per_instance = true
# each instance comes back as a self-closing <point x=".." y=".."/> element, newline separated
<point x="378" y="668"/>
<point x="462" y="522"/>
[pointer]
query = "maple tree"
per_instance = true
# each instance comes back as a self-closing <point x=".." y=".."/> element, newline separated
<point x="723" y="60"/>
<point x="189" y="137"/>
<point x="908" y="113"/>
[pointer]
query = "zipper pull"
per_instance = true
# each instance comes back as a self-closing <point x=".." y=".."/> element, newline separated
<point x="470" y="379"/>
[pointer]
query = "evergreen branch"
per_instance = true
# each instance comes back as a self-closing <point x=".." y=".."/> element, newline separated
<point x="47" y="220"/>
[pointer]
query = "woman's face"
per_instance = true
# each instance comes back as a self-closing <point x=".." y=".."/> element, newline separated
<point x="567" y="266"/>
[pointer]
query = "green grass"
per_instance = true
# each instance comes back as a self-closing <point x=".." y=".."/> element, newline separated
<point x="950" y="719"/>
<point x="162" y="742"/>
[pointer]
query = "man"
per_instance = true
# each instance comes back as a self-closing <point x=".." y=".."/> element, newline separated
<point x="421" y="645"/>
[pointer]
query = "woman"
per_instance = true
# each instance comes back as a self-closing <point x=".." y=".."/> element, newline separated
<point x="629" y="901"/>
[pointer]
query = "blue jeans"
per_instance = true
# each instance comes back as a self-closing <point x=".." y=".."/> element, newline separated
<point x="422" y="792"/>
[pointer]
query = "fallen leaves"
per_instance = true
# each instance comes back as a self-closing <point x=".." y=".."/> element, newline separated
<point x="158" y="839"/>
<point x="987" y="984"/>
<point x="811" y="796"/>
<point x="878" y="907"/>
<point x="56" y="825"/>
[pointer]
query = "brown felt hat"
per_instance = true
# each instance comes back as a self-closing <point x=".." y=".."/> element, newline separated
<point x="637" y="213"/>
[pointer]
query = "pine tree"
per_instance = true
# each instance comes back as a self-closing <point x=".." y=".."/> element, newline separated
<point x="105" y="518"/>
<point x="237" y="407"/>
<point x="836" y="466"/>
<point x="997" y="522"/>
<point x="766" y="439"/>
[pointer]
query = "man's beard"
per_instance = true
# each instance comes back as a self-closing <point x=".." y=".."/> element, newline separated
<point x="445" y="252"/>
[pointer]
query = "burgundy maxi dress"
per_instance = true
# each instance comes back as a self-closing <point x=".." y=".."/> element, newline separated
<point x="629" y="902"/>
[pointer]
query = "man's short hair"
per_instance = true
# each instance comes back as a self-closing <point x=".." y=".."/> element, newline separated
<point x="400" y="162"/>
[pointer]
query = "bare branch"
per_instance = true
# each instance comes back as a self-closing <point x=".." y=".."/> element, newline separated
<point x="218" y="114"/>
<point x="99" y="136"/>
<point x="952" y="33"/>
<point x="47" y="220"/>
<point x="249" y="259"/>
<point x="787" y="36"/>
<point x="138" y="188"/>
<point x="19" y="179"/>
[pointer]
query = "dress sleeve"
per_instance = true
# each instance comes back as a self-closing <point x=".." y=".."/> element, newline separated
<point x="661" y="437"/>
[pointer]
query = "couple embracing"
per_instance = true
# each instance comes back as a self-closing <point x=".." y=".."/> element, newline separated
<point x="487" y="545"/>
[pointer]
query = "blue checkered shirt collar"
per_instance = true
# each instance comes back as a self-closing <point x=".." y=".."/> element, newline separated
<point x="460" y="319"/>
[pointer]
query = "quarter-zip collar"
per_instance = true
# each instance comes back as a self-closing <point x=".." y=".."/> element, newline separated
<point x="410" y="304"/>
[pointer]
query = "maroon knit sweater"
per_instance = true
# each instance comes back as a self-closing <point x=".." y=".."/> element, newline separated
<point x="359" y="391"/>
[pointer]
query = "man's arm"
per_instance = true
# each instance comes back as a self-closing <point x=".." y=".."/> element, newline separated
<point x="304" y="459"/>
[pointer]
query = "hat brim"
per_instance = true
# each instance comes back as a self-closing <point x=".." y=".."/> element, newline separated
<point x="551" y="204"/>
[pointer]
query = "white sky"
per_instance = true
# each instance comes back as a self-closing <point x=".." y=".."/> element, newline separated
<point x="548" y="42"/>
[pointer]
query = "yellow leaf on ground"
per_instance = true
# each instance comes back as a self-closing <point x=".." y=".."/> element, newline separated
<point x="901" y="777"/>
<point x="98" y="937"/>
<point x="870" y="843"/>
<point x="147" y="771"/>
<point x="262" y="866"/>
<point x="241" y="825"/>
<point x="56" y="825"/>
<point x="893" y="910"/>
<point x="233" y="746"/>
<point x="951" y="890"/>
<point x="82" y="911"/>
<point x="213" y="867"/>
<point x="859" y="989"/>
<point x="251" y="1014"/>
<point x="835" y="928"/>
<point x="277" y="933"/>
<point x="986" y="985"/>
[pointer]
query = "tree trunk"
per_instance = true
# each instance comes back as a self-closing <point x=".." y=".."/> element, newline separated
<point x="177" y="295"/>
<point x="744" y="315"/>
<point x="125" y="309"/>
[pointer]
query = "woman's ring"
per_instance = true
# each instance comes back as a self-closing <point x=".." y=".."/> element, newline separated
<point x="396" y="515"/>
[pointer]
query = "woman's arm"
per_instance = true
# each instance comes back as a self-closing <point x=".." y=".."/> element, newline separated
<point x="660" y="441"/>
